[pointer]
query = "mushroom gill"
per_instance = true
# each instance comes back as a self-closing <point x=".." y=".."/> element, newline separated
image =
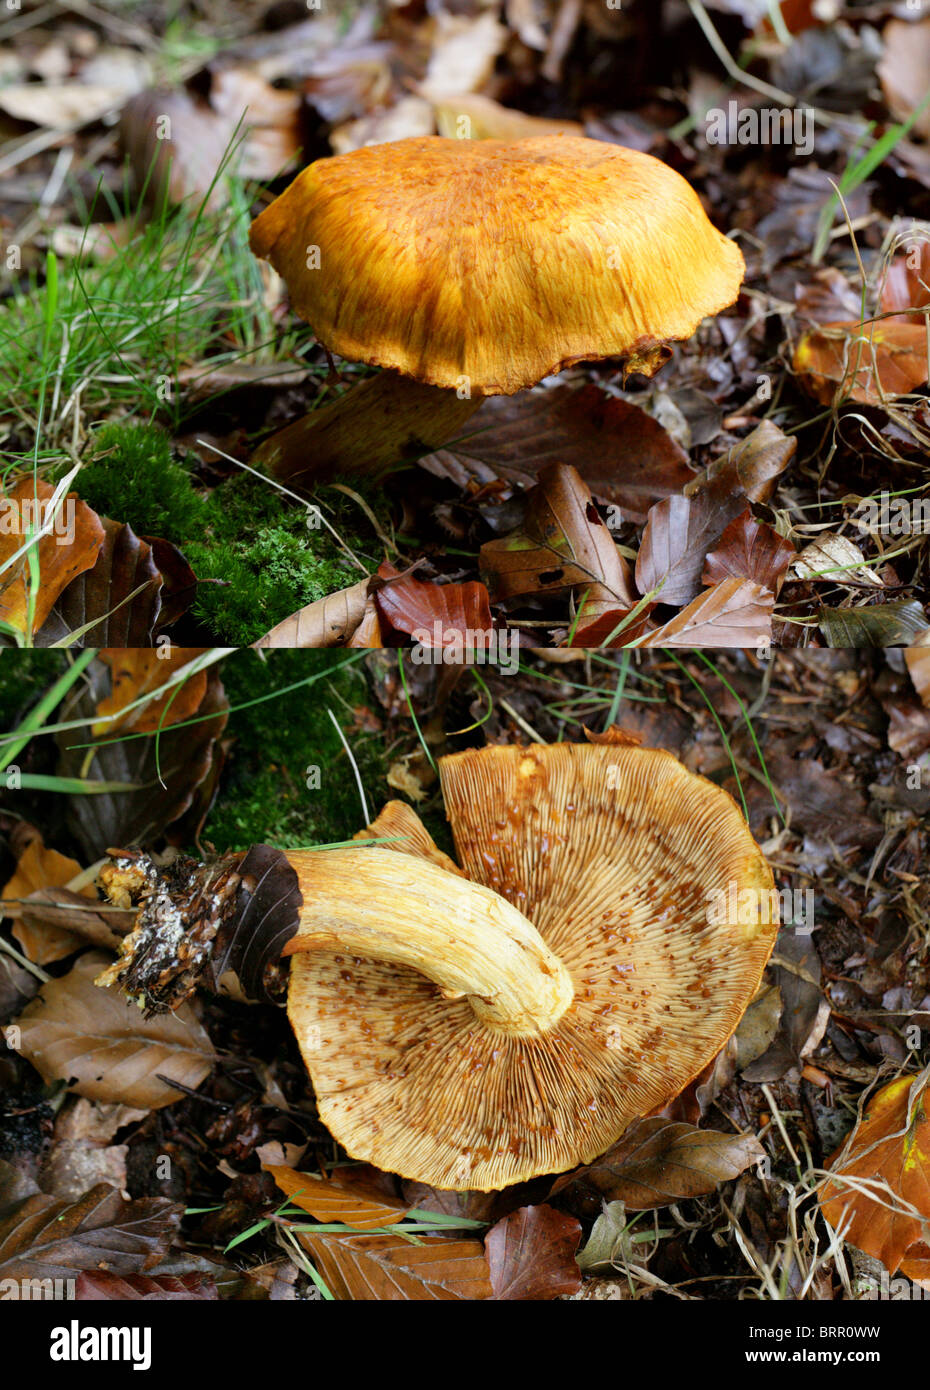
<point x="612" y="924"/>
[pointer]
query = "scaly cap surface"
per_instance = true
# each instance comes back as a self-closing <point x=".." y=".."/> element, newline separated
<point x="497" y="262"/>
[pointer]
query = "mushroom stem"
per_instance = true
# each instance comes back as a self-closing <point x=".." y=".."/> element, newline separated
<point x="378" y="904"/>
<point x="381" y="421"/>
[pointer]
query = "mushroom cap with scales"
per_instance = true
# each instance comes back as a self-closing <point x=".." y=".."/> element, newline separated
<point x="472" y="1030"/>
<point x="497" y="262"/>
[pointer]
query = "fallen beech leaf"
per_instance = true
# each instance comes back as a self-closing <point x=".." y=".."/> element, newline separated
<point x="562" y="545"/>
<point x="203" y="380"/>
<point x="659" y="1161"/>
<point x="531" y="1254"/>
<point x="69" y="548"/>
<point x="488" y="120"/>
<point x="464" y="50"/>
<point x="425" y="611"/>
<point x="623" y="455"/>
<point x="862" y="362"/>
<point x="908" y="729"/>
<point x="799" y="1002"/>
<point x="332" y="621"/>
<point x="608" y="1245"/>
<point x="44" y="1237"/>
<point x="268" y="904"/>
<point x="834" y="559"/>
<point x="100" y="1043"/>
<point x="681" y="530"/>
<point x="59" y="909"/>
<point x="17" y="987"/>
<point x="117" y="602"/>
<point x="917" y="660"/>
<point x="612" y="628"/>
<point x="390" y="1269"/>
<point x="141" y="672"/>
<point x="241" y="106"/>
<point x="411" y="116"/>
<point x="903" y="68"/>
<point x="826" y="806"/>
<point x="758" y="1026"/>
<point x="907" y="280"/>
<point x="753" y="466"/>
<point x="97" y="1286"/>
<point x="827" y="298"/>
<point x="916" y="1264"/>
<point x="889" y="1147"/>
<point x="749" y="549"/>
<point x="350" y="78"/>
<point x="328" y="1200"/>
<point x="734" y="613"/>
<point x="168" y="772"/>
<point x="269" y="117"/>
<point x="893" y="624"/>
<point x="59" y="105"/>
<point x="674" y="544"/>
<point x="38" y="867"/>
<point x="178" y="585"/>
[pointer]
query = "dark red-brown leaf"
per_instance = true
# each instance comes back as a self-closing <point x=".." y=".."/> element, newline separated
<point x="433" y="614"/>
<point x="97" y="1286"/>
<point x="531" y="1254"/>
<point x="749" y="549"/>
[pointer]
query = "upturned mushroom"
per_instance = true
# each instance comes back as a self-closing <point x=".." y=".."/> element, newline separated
<point x="474" y="268"/>
<point x="473" y="1025"/>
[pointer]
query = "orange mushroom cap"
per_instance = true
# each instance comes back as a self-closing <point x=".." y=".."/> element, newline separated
<point x="495" y="263"/>
<point x="470" y="1038"/>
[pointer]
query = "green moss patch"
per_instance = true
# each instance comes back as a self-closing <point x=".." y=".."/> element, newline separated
<point x="288" y="780"/>
<point x="258" y="554"/>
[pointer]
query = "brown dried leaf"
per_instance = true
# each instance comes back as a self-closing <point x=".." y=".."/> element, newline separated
<point x="916" y="1264"/>
<point x="488" y="120"/>
<point x="263" y="120"/>
<point x="60" y="910"/>
<point x="863" y="362"/>
<point x="680" y="530"/>
<point x="622" y="454"/>
<point x="749" y="549"/>
<point x="120" y="596"/>
<point x="908" y="730"/>
<point x="562" y="545"/>
<point x="390" y="1269"/>
<point x="169" y="780"/>
<point x="36" y="868"/>
<point x="337" y="1200"/>
<point x="907" y="280"/>
<point x="531" y="1254"/>
<point x="659" y="1161"/>
<point x="734" y="613"/>
<point x="752" y="467"/>
<point x="333" y="621"/>
<point x="44" y="1237"/>
<point x="796" y="972"/>
<point x="100" y="1043"/>
<point x="98" y="1286"/>
<point x="425" y="611"/>
<point x="143" y="671"/>
<point x="890" y="1146"/>
<point x="60" y="555"/>
<point x="917" y="660"/>
<point x="903" y="68"/>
